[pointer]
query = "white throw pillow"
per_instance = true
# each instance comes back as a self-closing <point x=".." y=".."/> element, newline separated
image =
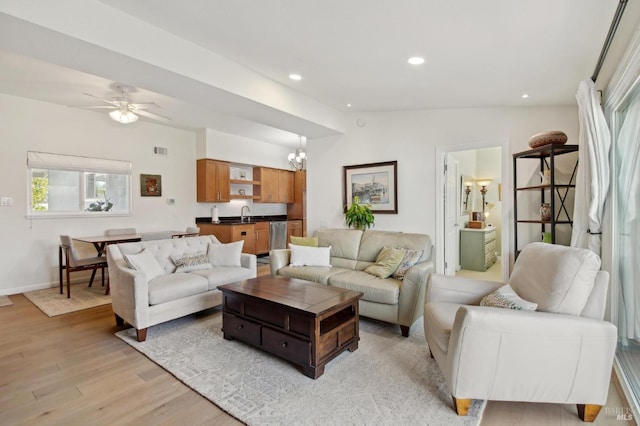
<point x="310" y="256"/>
<point x="145" y="262"/>
<point x="558" y="278"/>
<point x="505" y="297"/>
<point x="225" y="254"/>
<point x="191" y="262"/>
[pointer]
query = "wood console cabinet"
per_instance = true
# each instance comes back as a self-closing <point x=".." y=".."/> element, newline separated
<point x="213" y="181"/>
<point x="306" y="323"/>
<point x="477" y="248"/>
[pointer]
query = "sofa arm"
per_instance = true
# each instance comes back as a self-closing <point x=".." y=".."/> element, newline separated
<point x="250" y="262"/>
<point x="465" y="291"/>
<point x="492" y="352"/>
<point x="129" y="290"/>
<point x="278" y="259"/>
<point x="412" y="291"/>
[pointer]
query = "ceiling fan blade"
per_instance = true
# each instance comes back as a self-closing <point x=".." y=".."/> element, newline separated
<point x="103" y="100"/>
<point x="151" y="115"/>
<point x="141" y="104"/>
<point x="98" y="107"/>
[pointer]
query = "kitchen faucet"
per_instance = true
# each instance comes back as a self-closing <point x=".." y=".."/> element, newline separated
<point x="242" y="213"/>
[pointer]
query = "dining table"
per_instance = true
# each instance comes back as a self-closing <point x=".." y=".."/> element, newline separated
<point x="100" y="242"/>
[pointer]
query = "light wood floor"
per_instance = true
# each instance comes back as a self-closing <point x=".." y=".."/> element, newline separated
<point x="71" y="369"/>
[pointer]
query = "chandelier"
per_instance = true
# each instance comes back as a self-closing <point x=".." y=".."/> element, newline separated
<point x="297" y="160"/>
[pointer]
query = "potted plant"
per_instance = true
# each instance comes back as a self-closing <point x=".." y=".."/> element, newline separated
<point x="359" y="215"/>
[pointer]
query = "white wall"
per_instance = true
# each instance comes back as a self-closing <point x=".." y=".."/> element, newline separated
<point x="30" y="247"/>
<point x="411" y="138"/>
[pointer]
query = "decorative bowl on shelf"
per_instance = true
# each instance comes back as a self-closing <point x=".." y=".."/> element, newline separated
<point x="553" y="137"/>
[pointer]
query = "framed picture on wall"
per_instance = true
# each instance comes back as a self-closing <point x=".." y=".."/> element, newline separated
<point x="150" y="185"/>
<point x="375" y="184"/>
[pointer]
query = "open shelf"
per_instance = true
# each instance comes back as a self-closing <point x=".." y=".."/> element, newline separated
<point x="335" y="320"/>
<point x="244" y="197"/>
<point x="244" y="182"/>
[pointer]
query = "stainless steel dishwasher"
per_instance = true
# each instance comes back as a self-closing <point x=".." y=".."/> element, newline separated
<point x="278" y="234"/>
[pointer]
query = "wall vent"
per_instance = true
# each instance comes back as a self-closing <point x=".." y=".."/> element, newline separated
<point x="158" y="150"/>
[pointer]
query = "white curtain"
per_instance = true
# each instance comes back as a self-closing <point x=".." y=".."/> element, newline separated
<point x="592" y="180"/>
<point x="628" y="230"/>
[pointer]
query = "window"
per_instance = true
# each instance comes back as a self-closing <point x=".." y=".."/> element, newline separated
<point x="65" y="185"/>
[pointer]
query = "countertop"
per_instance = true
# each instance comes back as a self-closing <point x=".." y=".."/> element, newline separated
<point x="235" y="220"/>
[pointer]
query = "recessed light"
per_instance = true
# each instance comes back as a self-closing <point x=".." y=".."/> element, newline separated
<point x="416" y="60"/>
<point x="348" y="105"/>
<point x="525" y="96"/>
<point x="295" y="77"/>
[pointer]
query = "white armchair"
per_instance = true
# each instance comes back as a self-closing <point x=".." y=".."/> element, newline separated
<point x="561" y="353"/>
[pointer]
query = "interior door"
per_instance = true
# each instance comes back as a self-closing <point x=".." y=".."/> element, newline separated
<point x="451" y="214"/>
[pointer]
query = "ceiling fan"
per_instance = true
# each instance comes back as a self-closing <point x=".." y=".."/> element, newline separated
<point x="125" y="111"/>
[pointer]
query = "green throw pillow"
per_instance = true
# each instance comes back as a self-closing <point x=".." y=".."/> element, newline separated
<point x="386" y="263"/>
<point x="304" y="241"/>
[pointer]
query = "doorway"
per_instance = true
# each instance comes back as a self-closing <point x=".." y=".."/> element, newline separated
<point x="473" y="180"/>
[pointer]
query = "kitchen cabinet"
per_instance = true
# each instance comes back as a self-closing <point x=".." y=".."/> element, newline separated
<point x="298" y="208"/>
<point x="213" y="181"/>
<point x="227" y="233"/>
<point x="477" y="248"/>
<point x="261" y="231"/>
<point x="276" y="186"/>
<point x="294" y="228"/>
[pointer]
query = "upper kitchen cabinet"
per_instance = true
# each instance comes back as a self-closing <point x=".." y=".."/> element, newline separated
<point x="276" y="186"/>
<point x="213" y="181"/>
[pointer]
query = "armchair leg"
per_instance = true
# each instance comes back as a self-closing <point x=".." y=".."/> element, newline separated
<point x="141" y="334"/>
<point x="119" y="320"/>
<point x="404" y="330"/>
<point x="461" y="405"/>
<point x="588" y="412"/>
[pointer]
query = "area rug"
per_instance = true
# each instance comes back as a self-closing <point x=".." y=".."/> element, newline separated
<point x="52" y="303"/>
<point x="5" y="301"/>
<point x="388" y="380"/>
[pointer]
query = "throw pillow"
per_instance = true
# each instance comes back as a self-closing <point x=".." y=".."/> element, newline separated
<point x="304" y="241"/>
<point x="505" y="297"/>
<point x="310" y="256"/>
<point x="411" y="258"/>
<point x="387" y="262"/>
<point x="558" y="278"/>
<point x="191" y="262"/>
<point x="146" y="263"/>
<point x="225" y="254"/>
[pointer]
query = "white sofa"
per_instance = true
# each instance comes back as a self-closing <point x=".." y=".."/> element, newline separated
<point x="352" y="251"/>
<point x="144" y="302"/>
<point x="561" y="353"/>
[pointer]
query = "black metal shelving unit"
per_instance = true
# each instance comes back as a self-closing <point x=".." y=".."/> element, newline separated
<point x="559" y="213"/>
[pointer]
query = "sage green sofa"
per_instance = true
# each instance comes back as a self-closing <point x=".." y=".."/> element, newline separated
<point x="392" y="300"/>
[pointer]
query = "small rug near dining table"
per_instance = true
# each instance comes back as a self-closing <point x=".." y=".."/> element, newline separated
<point x="5" y="301"/>
<point x="388" y="380"/>
<point x="52" y="303"/>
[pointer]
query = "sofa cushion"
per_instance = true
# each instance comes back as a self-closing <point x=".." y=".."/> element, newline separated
<point x="165" y="288"/>
<point x="146" y="263"/>
<point x="344" y="243"/>
<point x="191" y="262"/>
<point x="506" y="298"/>
<point x="411" y="258"/>
<point x="558" y="278"/>
<point x="317" y="274"/>
<point x="223" y="275"/>
<point x="375" y="289"/>
<point x="309" y="256"/>
<point x="387" y="262"/>
<point x="440" y="317"/>
<point x="304" y="241"/>
<point x="225" y="254"/>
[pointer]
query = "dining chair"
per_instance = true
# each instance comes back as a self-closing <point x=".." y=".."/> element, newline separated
<point x="72" y="263"/>
<point x="192" y="231"/>
<point x="120" y="231"/>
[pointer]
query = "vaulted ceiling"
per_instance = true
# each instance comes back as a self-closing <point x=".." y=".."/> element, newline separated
<point x="226" y="64"/>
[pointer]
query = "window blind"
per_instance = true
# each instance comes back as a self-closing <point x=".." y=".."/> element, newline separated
<point x="45" y="160"/>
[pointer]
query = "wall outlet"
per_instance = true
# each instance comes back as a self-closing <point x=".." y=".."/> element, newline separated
<point x="6" y="201"/>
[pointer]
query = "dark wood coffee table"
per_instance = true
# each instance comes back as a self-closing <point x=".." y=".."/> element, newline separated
<point x="306" y="323"/>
